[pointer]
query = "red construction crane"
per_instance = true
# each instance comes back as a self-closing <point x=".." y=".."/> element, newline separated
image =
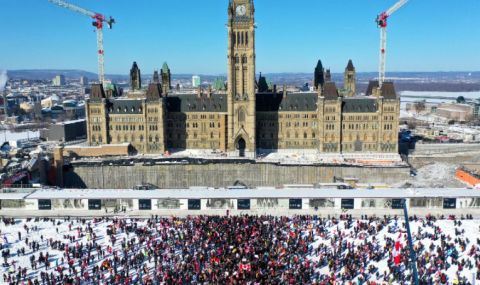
<point x="382" y="24"/>
<point x="98" y="20"/>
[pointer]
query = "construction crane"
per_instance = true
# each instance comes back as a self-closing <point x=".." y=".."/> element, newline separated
<point x="382" y="24"/>
<point x="98" y="21"/>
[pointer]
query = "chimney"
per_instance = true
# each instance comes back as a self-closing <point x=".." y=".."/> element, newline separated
<point x="210" y="91"/>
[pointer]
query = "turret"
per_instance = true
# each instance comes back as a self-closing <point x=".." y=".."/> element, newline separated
<point x="166" y="78"/>
<point x="349" y="79"/>
<point x="135" y="78"/>
<point x="318" y="79"/>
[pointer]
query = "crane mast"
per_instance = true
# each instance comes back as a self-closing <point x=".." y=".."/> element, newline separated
<point x="382" y="22"/>
<point x="98" y="22"/>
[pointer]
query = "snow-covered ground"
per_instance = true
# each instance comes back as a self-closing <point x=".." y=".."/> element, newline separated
<point x="9" y="136"/>
<point x="453" y="95"/>
<point x="443" y="247"/>
<point x="435" y="175"/>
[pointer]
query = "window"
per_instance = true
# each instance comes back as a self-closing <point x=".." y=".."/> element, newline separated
<point x="241" y="115"/>
<point x="94" y="204"/>
<point x="243" y="204"/>
<point x="347" y="204"/>
<point x="295" y="204"/>
<point x="144" y="204"/>
<point x="449" y="203"/>
<point x="44" y="204"/>
<point x="194" y="204"/>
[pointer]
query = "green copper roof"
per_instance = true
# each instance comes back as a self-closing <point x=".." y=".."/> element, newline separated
<point x="165" y="67"/>
<point x="219" y="83"/>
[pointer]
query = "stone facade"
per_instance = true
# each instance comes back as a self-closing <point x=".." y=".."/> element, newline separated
<point x="245" y="118"/>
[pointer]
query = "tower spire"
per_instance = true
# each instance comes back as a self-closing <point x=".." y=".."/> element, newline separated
<point x="135" y="77"/>
<point x="319" y="77"/>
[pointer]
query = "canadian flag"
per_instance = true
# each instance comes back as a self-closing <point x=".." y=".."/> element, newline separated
<point x="246" y="267"/>
<point x="397" y="250"/>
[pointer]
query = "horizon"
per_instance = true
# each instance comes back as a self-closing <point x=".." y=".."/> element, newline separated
<point x="225" y="74"/>
<point x="202" y="49"/>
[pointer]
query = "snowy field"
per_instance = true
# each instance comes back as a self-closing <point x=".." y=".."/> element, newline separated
<point x="237" y="250"/>
<point x="429" y="97"/>
<point x="7" y="135"/>
<point x="453" y="95"/>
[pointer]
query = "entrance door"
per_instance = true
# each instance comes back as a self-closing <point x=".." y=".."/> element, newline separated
<point x="241" y="145"/>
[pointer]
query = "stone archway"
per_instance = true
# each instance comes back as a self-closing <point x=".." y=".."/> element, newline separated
<point x="241" y="145"/>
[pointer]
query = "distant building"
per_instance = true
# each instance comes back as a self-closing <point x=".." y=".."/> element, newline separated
<point x="58" y="80"/>
<point x="196" y="81"/>
<point x="83" y="80"/>
<point x="65" y="131"/>
<point x="456" y="112"/>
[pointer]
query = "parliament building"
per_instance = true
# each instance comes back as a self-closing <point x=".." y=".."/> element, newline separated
<point x="246" y="116"/>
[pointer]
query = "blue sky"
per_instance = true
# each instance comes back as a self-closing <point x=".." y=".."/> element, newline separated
<point x="425" y="35"/>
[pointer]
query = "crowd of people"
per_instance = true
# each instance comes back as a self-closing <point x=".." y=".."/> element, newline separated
<point x="238" y="250"/>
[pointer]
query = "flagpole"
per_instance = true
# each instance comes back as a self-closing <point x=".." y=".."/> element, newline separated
<point x="413" y="258"/>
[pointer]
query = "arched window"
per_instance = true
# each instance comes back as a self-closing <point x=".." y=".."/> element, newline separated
<point x="241" y="115"/>
<point x="141" y="138"/>
<point x="305" y="135"/>
<point x="149" y="138"/>
<point x="241" y="35"/>
<point x="313" y="135"/>
<point x="157" y="139"/>
<point x="246" y="38"/>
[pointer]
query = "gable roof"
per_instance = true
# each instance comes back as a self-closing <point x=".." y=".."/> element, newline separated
<point x="330" y="91"/>
<point x="154" y="91"/>
<point x="388" y="89"/>
<point x="97" y="92"/>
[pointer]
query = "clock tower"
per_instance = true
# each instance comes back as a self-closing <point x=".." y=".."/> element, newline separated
<point x="241" y="78"/>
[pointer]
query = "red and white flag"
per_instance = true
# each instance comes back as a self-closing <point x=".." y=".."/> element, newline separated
<point x="397" y="250"/>
<point x="245" y="267"/>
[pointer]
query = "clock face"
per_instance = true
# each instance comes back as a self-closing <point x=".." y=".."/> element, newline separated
<point x="241" y="10"/>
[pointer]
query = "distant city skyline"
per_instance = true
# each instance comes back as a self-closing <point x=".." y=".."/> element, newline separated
<point x="190" y="35"/>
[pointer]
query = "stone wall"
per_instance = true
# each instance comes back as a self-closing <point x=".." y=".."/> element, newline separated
<point x="456" y="154"/>
<point x="86" y="175"/>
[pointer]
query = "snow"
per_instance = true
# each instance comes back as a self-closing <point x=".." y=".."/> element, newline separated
<point x="453" y="95"/>
<point x="9" y="136"/>
<point x="470" y="234"/>
<point x="42" y="231"/>
<point x="435" y="175"/>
